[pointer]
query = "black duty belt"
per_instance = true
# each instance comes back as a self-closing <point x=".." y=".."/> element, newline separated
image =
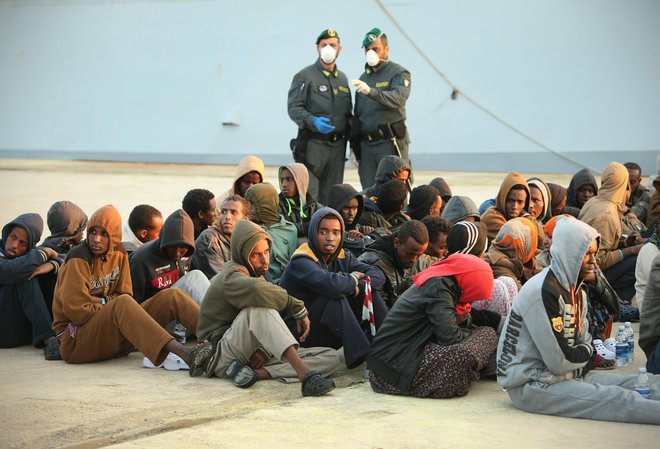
<point x="375" y="136"/>
<point x="384" y="132"/>
<point x="330" y="137"/>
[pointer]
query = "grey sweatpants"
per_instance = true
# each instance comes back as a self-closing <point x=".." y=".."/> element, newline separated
<point x="262" y="328"/>
<point x="600" y="396"/>
<point x="195" y="283"/>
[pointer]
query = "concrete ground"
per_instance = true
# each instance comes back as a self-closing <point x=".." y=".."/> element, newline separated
<point x="120" y="403"/>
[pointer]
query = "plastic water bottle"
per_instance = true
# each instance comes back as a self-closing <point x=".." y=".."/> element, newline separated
<point x="631" y="341"/>
<point x="642" y="384"/>
<point x="621" y="347"/>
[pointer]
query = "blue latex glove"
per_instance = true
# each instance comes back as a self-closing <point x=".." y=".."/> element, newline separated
<point x="323" y="125"/>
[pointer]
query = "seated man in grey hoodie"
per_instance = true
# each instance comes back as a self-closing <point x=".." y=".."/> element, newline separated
<point x="649" y="323"/>
<point x="544" y="353"/>
<point x="240" y="316"/>
<point x="165" y="262"/>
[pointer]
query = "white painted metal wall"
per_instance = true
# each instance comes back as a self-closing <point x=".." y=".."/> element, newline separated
<point x="154" y="79"/>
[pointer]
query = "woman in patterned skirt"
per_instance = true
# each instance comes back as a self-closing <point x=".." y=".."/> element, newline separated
<point x="429" y="344"/>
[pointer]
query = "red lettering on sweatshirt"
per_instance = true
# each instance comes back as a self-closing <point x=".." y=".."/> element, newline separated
<point x="165" y="280"/>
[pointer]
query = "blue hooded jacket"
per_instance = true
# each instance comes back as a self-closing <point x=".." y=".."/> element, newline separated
<point x="308" y="275"/>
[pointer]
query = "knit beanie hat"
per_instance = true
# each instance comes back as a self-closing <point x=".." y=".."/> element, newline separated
<point x="466" y="237"/>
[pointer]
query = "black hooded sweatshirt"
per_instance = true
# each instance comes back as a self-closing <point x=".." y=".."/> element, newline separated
<point x="581" y="178"/>
<point x="388" y="168"/>
<point x="151" y="270"/>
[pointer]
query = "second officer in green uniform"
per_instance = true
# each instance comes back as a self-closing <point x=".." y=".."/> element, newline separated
<point x="380" y="108"/>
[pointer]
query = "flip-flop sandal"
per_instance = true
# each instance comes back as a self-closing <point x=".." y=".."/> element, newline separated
<point x="314" y="384"/>
<point x="233" y="368"/>
<point x="199" y="356"/>
<point x="242" y="375"/>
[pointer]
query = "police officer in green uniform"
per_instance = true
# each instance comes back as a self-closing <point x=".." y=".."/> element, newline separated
<point x="320" y="104"/>
<point x="380" y="108"/>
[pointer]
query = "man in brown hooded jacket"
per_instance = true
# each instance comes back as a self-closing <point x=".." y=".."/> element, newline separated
<point x="512" y="201"/>
<point x="616" y="256"/>
<point x="95" y="315"/>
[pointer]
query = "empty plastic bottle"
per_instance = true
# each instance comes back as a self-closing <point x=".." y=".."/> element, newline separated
<point x="642" y="384"/>
<point x="621" y="347"/>
<point x="631" y="341"/>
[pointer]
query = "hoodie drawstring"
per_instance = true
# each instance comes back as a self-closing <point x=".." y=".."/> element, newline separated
<point x="577" y="311"/>
<point x="303" y="215"/>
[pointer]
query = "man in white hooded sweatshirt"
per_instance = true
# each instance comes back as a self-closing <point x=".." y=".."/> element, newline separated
<point x="544" y="353"/>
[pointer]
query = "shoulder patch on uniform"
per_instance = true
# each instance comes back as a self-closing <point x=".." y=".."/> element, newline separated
<point x="406" y="83"/>
<point x="344" y="89"/>
<point x="382" y="84"/>
<point x="558" y="324"/>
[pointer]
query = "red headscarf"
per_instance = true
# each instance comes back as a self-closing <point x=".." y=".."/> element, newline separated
<point x="473" y="275"/>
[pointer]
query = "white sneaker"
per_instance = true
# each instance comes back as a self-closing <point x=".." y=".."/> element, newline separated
<point x="172" y="363"/>
<point x="610" y="344"/>
<point x="147" y="363"/>
<point x="602" y="350"/>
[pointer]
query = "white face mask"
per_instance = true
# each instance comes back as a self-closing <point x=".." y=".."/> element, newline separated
<point x="372" y="58"/>
<point x="328" y="54"/>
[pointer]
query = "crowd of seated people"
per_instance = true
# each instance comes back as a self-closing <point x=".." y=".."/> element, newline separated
<point x="428" y="290"/>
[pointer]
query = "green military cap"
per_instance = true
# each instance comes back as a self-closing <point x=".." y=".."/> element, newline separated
<point x="327" y="34"/>
<point x="371" y="37"/>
